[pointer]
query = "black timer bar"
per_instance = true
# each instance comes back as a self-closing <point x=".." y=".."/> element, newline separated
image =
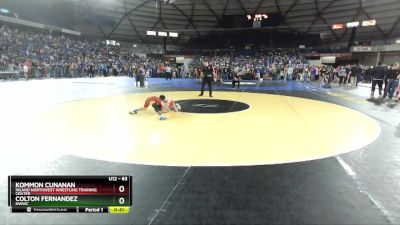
<point x="104" y="209"/>
<point x="59" y="209"/>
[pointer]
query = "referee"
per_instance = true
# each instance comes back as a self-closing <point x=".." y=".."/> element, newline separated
<point x="208" y="76"/>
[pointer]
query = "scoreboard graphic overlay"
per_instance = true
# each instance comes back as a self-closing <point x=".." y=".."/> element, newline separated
<point x="69" y="194"/>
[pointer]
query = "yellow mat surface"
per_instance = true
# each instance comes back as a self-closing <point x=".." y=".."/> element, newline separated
<point x="275" y="129"/>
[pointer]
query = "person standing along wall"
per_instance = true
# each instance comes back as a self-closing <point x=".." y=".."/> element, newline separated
<point x="354" y="74"/>
<point x="168" y="72"/>
<point x="392" y="77"/>
<point x="290" y="72"/>
<point x="397" y="94"/>
<point x="323" y="71"/>
<point x="378" y="73"/>
<point x="27" y="68"/>
<point x="368" y="74"/>
<point x="91" y="71"/>
<point x="342" y="75"/>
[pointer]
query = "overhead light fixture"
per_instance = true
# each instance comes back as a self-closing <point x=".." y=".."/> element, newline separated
<point x="111" y="42"/>
<point x="353" y="24"/>
<point x="367" y="23"/>
<point x="162" y="34"/>
<point x="173" y="34"/>
<point x="337" y="26"/>
<point x="3" y="10"/>
<point x="151" y="33"/>
<point x="134" y="45"/>
<point x="398" y="41"/>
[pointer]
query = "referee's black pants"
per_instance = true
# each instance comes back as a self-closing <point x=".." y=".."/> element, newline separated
<point x="207" y="81"/>
<point x="374" y="83"/>
<point x="234" y="83"/>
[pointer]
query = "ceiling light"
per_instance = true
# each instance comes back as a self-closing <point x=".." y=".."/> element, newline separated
<point x="162" y="34"/>
<point x="353" y="24"/>
<point x="367" y="23"/>
<point x="3" y="10"/>
<point x="173" y="34"/>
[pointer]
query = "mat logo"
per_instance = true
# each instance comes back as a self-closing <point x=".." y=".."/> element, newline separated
<point x="205" y="105"/>
<point x="211" y="106"/>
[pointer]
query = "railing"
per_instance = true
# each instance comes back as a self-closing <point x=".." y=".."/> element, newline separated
<point x="9" y="75"/>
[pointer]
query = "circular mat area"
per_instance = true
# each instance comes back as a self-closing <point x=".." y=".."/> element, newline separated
<point x="241" y="83"/>
<point x="211" y="106"/>
<point x="274" y="129"/>
<point x="258" y="83"/>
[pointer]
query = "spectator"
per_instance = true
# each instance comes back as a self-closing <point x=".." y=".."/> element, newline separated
<point x="392" y="76"/>
<point x="378" y="74"/>
<point x="59" y="55"/>
<point x="168" y="72"/>
<point x="342" y="75"/>
<point x="355" y="72"/>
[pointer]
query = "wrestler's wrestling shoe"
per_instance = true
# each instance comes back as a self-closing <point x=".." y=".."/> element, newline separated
<point x="133" y="111"/>
<point x="179" y="107"/>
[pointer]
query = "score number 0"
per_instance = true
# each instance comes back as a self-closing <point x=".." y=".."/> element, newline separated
<point x="121" y="200"/>
<point x="121" y="188"/>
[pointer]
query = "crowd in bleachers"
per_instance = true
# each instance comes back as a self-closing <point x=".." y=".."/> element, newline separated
<point x="38" y="54"/>
<point x="261" y="64"/>
<point x="32" y="53"/>
<point x="285" y="65"/>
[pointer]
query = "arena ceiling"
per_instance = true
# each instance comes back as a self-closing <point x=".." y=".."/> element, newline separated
<point x="130" y="19"/>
